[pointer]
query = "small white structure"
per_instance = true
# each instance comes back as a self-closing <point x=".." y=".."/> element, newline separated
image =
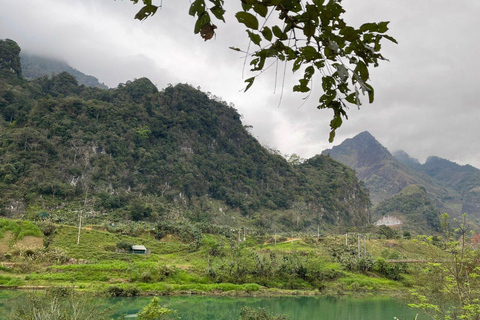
<point x="388" y="221"/>
<point x="139" y="249"/>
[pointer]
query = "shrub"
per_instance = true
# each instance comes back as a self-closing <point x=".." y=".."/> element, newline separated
<point x="154" y="311"/>
<point x="115" y="291"/>
<point x="124" y="245"/>
<point x="47" y="227"/>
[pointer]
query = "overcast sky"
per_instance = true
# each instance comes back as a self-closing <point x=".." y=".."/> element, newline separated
<point x="426" y="96"/>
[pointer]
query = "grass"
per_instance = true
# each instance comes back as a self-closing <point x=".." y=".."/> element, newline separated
<point x="361" y="282"/>
<point x="20" y="229"/>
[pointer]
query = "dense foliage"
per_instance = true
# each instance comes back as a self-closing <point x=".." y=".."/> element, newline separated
<point x="135" y="150"/>
<point x="9" y="59"/>
<point x="449" y="288"/>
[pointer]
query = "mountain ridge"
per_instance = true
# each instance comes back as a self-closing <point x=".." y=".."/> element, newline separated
<point x="139" y="153"/>
<point x="452" y="188"/>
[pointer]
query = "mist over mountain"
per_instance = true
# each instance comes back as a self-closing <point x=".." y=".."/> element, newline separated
<point x="34" y="66"/>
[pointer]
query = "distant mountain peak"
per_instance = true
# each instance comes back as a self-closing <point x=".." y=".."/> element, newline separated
<point x="365" y="135"/>
<point x="363" y="150"/>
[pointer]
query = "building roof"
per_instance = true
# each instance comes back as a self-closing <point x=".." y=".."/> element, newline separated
<point x="139" y="247"/>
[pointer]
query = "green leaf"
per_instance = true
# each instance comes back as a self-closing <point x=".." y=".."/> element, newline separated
<point x="197" y="7"/>
<point x="371" y="93"/>
<point x="267" y="33"/>
<point x="250" y="83"/>
<point x="362" y="70"/>
<point x="297" y="64"/>
<point x="309" y="53"/>
<point x="261" y="9"/>
<point x="272" y="2"/>
<point x="331" y="137"/>
<point x="145" y="12"/>
<point x="371" y="27"/>
<point x="254" y="37"/>
<point x="352" y="98"/>
<point x="342" y="72"/>
<point x="277" y="32"/>
<point x="390" y="38"/>
<point x="349" y="33"/>
<point x="336" y="122"/>
<point x="383" y="26"/>
<point x="327" y="83"/>
<point x="235" y="48"/>
<point x="300" y="88"/>
<point x="309" y="29"/>
<point x="309" y="71"/>
<point x="202" y="20"/>
<point x="247" y="19"/>
<point x="218" y="12"/>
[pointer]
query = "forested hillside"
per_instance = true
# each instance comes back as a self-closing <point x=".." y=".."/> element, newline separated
<point x="134" y="152"/>
<point x="413" y="206"/>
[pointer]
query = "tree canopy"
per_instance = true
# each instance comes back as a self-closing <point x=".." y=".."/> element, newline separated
<point x="309" y="33"/>
<point x="10" y="59"/>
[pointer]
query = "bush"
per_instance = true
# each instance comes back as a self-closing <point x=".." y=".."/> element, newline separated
<point x="389" y="270"/>
<point x="47" y="227"/>
<point x="115" y="291"/>
<point x="124" y="245"/>
<point x="154" y="311"/>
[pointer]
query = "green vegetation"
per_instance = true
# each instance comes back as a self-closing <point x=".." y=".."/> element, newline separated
<point x="217" y="264"/>
<point x="449" y="288"/>
<point x="19" y="229"/>
<point x="10" y="67"/>
<point x="153" y="311"/>
<point x="414" y="207"/>
<point x="61" y="303"/>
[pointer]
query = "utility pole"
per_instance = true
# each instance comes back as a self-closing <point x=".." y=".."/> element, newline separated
<point x="275" y="237"/>
<point x="79" y="226"/>
<point x="358" y="244"/>
<point x="365" y="245"/>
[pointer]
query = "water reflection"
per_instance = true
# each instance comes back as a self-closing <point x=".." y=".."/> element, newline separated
<point x="296" y="308"/>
